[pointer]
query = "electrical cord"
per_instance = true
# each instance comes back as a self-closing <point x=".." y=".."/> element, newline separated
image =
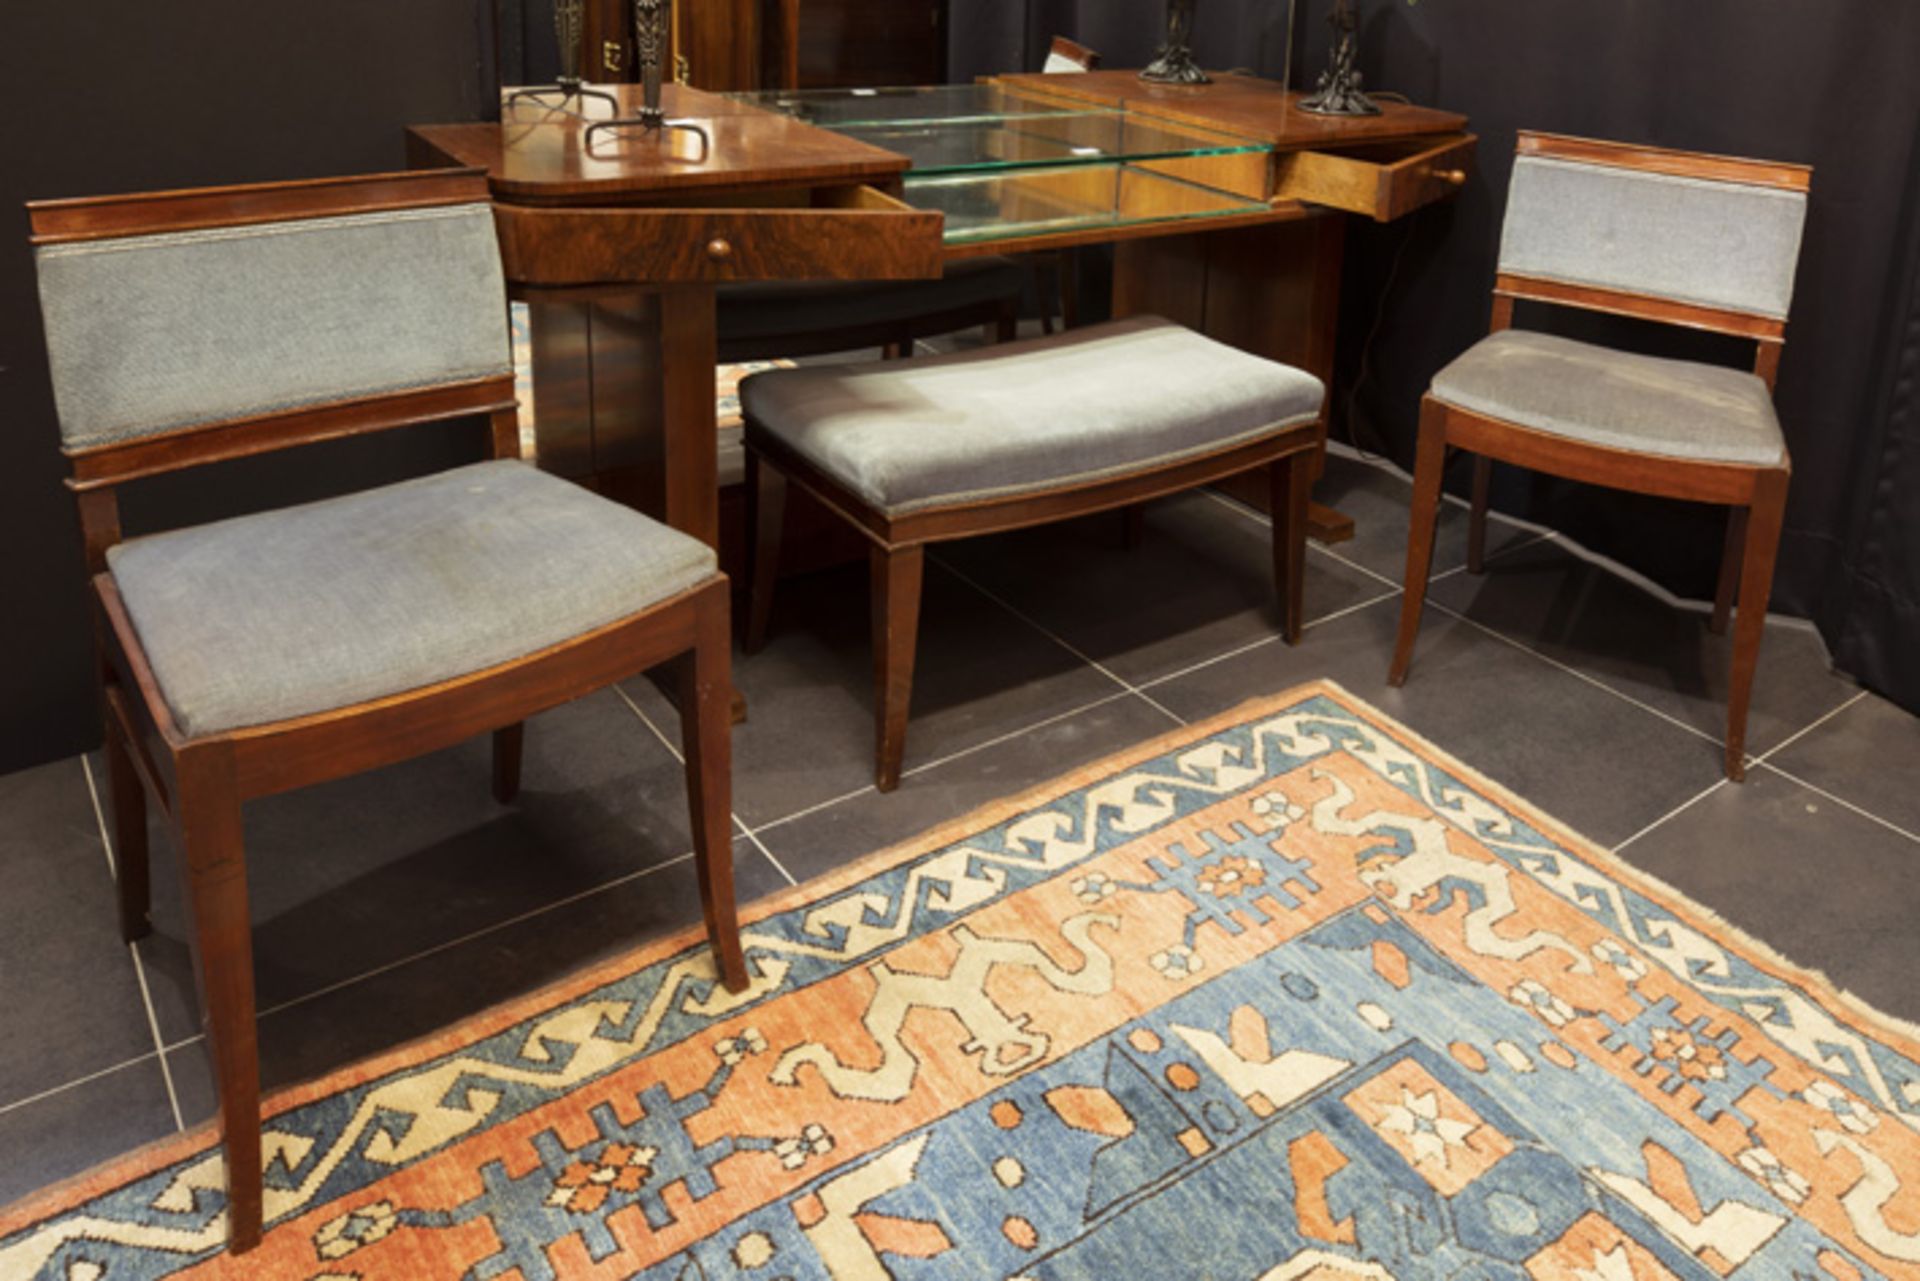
<point x="1366" y="349"/>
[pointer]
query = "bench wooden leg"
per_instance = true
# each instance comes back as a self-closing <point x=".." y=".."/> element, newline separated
<point x="507" y="745"/>
<point x="1756" y="586"/>
<point x="1290" y="481"/>
<point x="1429" y="464"/>
<point x="896" y="573"/>
<point x="706" y="737"/>
<point x="216" y="874"/>
<point x="766" y="515"/>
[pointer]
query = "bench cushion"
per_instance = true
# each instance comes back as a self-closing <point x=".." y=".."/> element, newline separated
<point x="302" y="610"/>
<point x="1615" y="398"/>
<point x="1091" y="404"/>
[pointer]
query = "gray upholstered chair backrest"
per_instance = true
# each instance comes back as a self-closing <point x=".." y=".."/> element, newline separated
<point x="154" y="332"/>
<point x="1709" y="242"/>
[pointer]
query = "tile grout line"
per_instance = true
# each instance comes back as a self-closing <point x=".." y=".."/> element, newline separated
<point x="436" y="949"/>
<point x="766" y="853"/>
<point x="738" y="822"/>
<point x="1264" y="641"/>
<point x="139" y="969"/>
<point x="469" y="937"/>
<point x="1675" y="812"/>
<point x="77" y="1081"/>
<point x="1576" y="673"/>
<point x="1057" y="639"/>
<point x="1799" y="734"/>
<point x="1842" y="801"/>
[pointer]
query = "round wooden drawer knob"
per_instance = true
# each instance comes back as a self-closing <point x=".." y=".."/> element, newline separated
<point x="719" y="249"/>
<point x="1452" y="177"/>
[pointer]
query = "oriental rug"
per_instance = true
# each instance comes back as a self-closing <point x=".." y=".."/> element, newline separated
<point x="1286" y="996"/>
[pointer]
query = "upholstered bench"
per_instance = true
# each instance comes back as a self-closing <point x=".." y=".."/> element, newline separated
<point x="919" y="451"/>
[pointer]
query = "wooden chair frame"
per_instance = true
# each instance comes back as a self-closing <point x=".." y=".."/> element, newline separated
<point x="897" y="544"/>
<point x="201" y="783"/>
<point x="1756" y="496"/>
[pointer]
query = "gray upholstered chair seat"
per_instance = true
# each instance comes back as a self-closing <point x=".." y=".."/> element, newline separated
<point x="765" y="310"/>
<point x="1092" y="403"/>
<point x="1677" y="408"/>
<point x="307" y="609"/>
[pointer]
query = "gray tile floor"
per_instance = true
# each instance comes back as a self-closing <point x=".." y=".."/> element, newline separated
<point x="390" y="905"/>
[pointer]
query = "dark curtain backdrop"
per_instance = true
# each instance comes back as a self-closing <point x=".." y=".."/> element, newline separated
<point x="1833" y="85"/>
<point x="112" y="96"/>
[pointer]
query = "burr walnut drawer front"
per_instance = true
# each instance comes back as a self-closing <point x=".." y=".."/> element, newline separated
<point x="848" y="233"/>
<point x="1381" y="180"/>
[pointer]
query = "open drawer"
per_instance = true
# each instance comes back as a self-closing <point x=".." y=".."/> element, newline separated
<point x="1382" y="180"/>
<point x="855" y="232"/>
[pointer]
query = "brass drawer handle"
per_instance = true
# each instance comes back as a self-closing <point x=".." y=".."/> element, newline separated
<point x="719" y="249"/>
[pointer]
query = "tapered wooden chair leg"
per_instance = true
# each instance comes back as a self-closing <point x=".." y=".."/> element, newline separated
<point x="896" y="574"/>
<point x="766" y="517"/>
<point x="1756" y="586"/>
<point x="706" y="734"/>
<point x="1429" y="465"/>
<point x="1006" y="326"/>
<point x="128" y="800"/>
<point x="1477" y="515"/>
<point x="507" y="744"/>
<point x="1290" y="480"/>
<point x="1730" y="557"/>
<point x="216" y="876"/>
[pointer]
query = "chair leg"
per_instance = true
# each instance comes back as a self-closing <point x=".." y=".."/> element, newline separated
<point x="128" y="799"/>
<point x="216" y="876"/>
<point x="706" y="729"/>
<point x="766" y="516"/>
<point x="1069" y="289"/>
<point x="1477" y="515"/>
<point x="1133" y="525"/>
<point x="1290" y="481"/>
<point x="1756" y="585"/>
<point x="1005" y="326"/>
<point x="1430" y="462"/>
<point x="507" y="743"/>
<point x="896" y="574"/>
<point x="1730" y="556"/>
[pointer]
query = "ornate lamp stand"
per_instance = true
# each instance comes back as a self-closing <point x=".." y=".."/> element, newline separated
<point x="1174" y="63"/>
<point x="1337" y="92"/>
<point x="569" y="85"/>
<point x="650" y="36"/>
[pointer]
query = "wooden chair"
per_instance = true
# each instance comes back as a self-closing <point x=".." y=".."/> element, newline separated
<point x="1706" y="242"/>
<point x="260" y="654"/>
<point x="921" y="451"/>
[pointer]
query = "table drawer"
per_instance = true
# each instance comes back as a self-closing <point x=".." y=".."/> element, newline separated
<point x="1383" y="181"/>
<point x="852" y="233"/>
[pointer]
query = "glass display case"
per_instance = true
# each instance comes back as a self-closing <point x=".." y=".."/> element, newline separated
<point x="1001" y="163"/>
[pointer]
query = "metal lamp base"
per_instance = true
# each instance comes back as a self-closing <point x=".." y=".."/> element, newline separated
<point x="656" y="123"/>
<point x="568" y="91"/>
<point x="1339" y="99"/>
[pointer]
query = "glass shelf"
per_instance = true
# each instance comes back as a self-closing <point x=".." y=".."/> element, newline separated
<point x="1102" y="137"/>
<point x="845" y="109"/>
<point x="1003" y="204"/>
